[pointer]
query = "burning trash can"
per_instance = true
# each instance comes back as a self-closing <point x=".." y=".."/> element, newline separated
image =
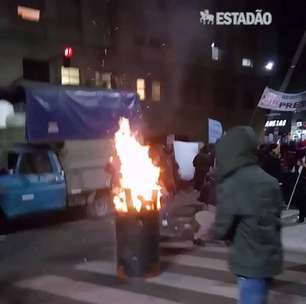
<point x="138" y="243"/>
<point x="137" y="203"/>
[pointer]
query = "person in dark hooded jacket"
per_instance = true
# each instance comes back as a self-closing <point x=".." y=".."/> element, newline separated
<point x="248" y="214"/>
<point x="201" y="163"/>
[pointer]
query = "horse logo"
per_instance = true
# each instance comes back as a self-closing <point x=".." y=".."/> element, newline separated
<point x="206" y="17"/>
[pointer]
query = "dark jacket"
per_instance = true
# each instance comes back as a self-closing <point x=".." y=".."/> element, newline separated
<point x="201" y="164"/>
<point x="249" y="207"/>
<point x="273" y="166"/>
<point x="300" y="191"/>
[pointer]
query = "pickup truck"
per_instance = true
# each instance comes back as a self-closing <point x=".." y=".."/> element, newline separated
<point x="34" y="182"/>
<point x="58" y="159"/>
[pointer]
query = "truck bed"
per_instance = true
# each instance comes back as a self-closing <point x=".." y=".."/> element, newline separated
<point x="84" y="162"/>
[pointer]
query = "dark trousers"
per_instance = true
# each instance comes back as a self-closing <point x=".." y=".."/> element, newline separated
<point x="198" y="181"/>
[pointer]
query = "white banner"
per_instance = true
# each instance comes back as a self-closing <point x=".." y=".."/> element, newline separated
<point x="215" y="130"/>
<point x="185" y="152"/>
<point x="279" y="101"/>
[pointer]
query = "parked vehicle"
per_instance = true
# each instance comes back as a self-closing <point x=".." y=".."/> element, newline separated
<point x="57" y="160"/>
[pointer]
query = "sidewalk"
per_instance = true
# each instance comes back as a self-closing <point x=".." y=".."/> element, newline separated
<point x="181" y="219"/>
<point x="294" y="238"/>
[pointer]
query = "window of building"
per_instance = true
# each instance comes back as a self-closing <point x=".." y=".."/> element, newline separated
<point x="247" y="62"/>
<point x="215" y="53"/>
<point x="35" y="163"/>
<point x="36" y="70"/>
<point x="156" y="91"/>
<point x="141" y="88"/>
<point x="70" y="76"/>
<point x="28" y="13"/>
<point x="103" y="80"/>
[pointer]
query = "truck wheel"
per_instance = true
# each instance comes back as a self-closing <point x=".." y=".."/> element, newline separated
<point x="101" y="206"/>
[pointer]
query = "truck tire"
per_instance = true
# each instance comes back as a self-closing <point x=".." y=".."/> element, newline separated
<point x="101" y="206"/>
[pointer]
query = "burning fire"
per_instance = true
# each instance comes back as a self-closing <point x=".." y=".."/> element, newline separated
<point x="139" y="188"/>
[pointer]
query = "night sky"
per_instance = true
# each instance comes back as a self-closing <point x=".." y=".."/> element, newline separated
<point x="292" y="19"/>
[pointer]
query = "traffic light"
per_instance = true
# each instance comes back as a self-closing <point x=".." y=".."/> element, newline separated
<point x="68" y="53"/>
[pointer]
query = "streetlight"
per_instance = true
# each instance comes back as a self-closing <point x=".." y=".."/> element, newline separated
<point x="269" y="66"/>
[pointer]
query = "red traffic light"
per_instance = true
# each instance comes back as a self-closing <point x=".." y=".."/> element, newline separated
<point x="68" y="52"/>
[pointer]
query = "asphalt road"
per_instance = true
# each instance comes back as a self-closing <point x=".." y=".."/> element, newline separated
<point x="68" y="259"/>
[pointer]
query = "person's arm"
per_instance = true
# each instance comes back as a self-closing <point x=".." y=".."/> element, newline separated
<point x="224" y="227"/>
<point x="226" y="220"/>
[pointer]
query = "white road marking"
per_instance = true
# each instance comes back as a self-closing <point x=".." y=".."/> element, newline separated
<point x="170" y="279"/>
<point x="177" y="245"/>
<point x="214" y="249"/>
<point x="292" y="257"/>
<point x="87" y="292"/>
<point x="192" y="283"/>
<point x="221" y="265"/>
<point x="97" y="294"/>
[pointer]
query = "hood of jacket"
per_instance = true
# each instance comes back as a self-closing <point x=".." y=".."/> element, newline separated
<point x="236" y="149"/>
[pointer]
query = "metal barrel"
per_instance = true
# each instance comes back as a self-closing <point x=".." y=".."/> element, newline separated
<point x="137" y="236"/>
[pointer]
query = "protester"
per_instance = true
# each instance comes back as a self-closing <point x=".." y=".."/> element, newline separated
<point x="299" y="171"/>
<point x="201" y="164"/>
<point x="272" y="162"/>
<point x="262" y="153"/>
<point x="208" y="191"/>
<point x="173" y="169"/>
<point x="165" y="160"/>
<point x="248" y="215"/>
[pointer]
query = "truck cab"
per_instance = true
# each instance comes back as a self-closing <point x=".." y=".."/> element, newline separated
<point x="31" y="181"/>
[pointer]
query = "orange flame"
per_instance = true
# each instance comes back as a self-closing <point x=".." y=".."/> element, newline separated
<point x="139" y="176"/>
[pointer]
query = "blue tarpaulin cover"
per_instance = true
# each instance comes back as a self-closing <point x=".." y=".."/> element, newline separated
<point x="56" y="113"/>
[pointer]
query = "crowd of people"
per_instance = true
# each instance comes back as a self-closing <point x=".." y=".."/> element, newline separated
<point x="248" y="185"/>
<point x="286" y="163"/>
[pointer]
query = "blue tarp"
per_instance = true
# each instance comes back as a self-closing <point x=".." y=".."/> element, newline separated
<point x="56" y="113"/>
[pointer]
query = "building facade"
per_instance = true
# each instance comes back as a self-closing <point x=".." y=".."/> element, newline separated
<point x="183" y="71"/>
<point x="34" y="49"/>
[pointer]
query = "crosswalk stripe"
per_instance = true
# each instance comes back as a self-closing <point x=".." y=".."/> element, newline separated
<point x="192" y="283"/>
<point x="288" y="256"/>
<point x="214" y="249"/>
<point x="292" y="257"/>
<point x="170" y="279"/>
<point x="221" y="265"/>
<point x="87" y="292"/>
<point x="295" y="258"/>
<point x="177" y="245"/>
<point x="195" y="261"/>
